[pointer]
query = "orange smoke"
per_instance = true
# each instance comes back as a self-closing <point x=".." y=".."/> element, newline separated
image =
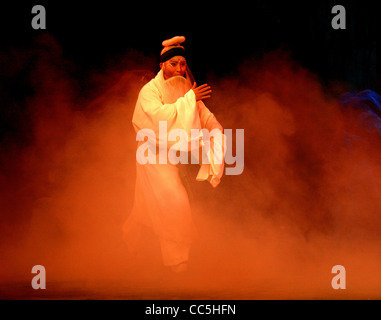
<point x="308" y="199"/>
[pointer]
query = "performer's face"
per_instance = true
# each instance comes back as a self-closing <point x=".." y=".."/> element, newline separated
<point x="175" y="66"/>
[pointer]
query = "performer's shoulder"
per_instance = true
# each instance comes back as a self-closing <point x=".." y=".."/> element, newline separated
<point x="149" y="88"/>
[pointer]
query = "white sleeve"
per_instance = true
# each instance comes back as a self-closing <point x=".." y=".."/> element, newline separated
<point x="212" y="171"/>
<point x="207" y="118"/>
<point x="183" y="114"/>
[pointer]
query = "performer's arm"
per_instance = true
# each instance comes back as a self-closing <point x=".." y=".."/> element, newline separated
<point x="207" y="118"/>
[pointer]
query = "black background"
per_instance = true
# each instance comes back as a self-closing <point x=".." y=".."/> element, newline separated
<point x="220" y="35"/>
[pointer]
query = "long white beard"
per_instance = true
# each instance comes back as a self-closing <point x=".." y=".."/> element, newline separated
<point x="174" y="88"/>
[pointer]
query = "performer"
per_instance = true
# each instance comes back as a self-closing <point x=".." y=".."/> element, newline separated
<point x="161" y="201"/>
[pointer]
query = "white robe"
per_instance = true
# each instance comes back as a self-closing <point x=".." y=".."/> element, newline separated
<point x="161" y="201"/>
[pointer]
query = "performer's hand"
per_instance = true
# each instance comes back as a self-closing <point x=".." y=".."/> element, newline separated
<point x="202" y="92"/>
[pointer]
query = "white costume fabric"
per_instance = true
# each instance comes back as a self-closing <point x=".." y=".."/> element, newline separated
<point x="161" y="201"/>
